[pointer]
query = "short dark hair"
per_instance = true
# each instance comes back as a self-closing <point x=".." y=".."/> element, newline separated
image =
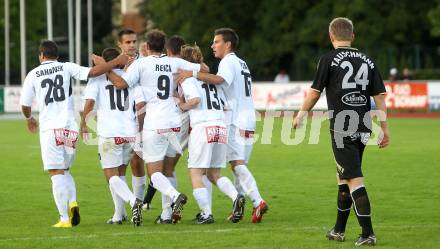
<point x="49" y="49"/>
<point x="125" y="32"/>
<point x="156" y="40"/>
<point x="175" y="43"/>
<point x="228" y="35"/>
<point x="110" y="53"/>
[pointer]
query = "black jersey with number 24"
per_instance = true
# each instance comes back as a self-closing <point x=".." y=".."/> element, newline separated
<point x="349" y="78"/>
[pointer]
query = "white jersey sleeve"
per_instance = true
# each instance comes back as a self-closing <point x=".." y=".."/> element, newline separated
<point x="190" y="89"/>
<point x="186" y="65"/>
<point x="76" y="71"/>
<point x="132" y="76"/>
<point x="92" y="90"/>
<point x="226" y="70"/>
<point x="28" y="92"/>
<point x="138" y="95"/>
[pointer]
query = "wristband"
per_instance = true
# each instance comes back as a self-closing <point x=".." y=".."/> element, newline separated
<point x="195" y="74"/>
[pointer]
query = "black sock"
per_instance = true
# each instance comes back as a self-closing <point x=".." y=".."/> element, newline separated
<point x="344" y="206"/>
<point x="150" y="193"/>
<point x="363" y="210"/>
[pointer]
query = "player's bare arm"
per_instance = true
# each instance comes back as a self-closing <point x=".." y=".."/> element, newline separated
<point x="310" y="101"/>
<point x="117" y="80"/>
<point x="205" y="77"/>
<point x="88" y="107"/>
<point x="190" y="104"/>
<point x="140" y="112"/>
<point x="32" y="123"/>
<point x="382" y="117"/>
<point x="103" y="67"/>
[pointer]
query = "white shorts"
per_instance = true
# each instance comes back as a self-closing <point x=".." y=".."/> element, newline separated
<point x="240" y="144"/>
<point x="184" y="131"/>
<point x="160" y="143"/>
<point x="207" y="145"/>
<point x="115" y="151"/>
<point x="58" y="147"/>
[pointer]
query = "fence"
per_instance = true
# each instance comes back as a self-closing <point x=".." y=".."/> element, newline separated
<point x="401" y="96"/>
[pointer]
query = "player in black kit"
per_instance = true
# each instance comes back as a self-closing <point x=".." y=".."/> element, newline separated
<point x="349" y="78"/>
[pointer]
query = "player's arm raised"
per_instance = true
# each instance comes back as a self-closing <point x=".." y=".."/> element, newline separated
<point x="116" y="80"/>
<point x="104" y="67"/>
<point x="384" y="139"/>
<point x="205" y="77"/>
<point x="310" y="101"/>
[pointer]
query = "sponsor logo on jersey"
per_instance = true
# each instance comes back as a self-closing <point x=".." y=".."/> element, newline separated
<point x="216" y="134"/>
<point x="354" y="99"/>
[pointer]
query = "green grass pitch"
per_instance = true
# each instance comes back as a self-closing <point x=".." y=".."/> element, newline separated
<point x="298" y="182"/>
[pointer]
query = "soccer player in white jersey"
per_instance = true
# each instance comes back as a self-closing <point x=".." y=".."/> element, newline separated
<point x="172" y="45"/>
<point x="207" y="141"/>
<point x="50" y="84"/>
<point x="117" y="129"/>
<point x="235" y="79"/>
<point x="127" y="42"/>
<point x="155" y="74"/>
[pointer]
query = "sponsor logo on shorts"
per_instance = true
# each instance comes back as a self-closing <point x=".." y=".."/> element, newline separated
<point x="124" y="140"/>
<point x="162" y="131"/>
<point x="216" y="134"/>
<point x="247" y="134"/>
<point x="66" y="137"/>
<point x="354" y="99"/>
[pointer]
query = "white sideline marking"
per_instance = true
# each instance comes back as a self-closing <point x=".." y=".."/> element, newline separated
<point x="89" y="236"/>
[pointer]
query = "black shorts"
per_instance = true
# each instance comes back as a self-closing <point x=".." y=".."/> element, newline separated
<point x="348" y="153"/>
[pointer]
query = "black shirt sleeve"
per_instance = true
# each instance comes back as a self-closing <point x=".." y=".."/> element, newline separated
<point x="322" y="74"/>
<point x="376" y="86"/>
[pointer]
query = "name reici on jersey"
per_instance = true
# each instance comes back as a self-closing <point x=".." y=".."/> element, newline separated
<point x="163" y="68"/>
<point x="351" y="54"/>
<point x="49" y="71"/>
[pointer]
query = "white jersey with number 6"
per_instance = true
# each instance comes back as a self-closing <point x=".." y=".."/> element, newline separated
<point x="115" y="108"/>
<point x="50" y="83"/>
<point x="155" y="74"/>
<point x="238" y="91"/>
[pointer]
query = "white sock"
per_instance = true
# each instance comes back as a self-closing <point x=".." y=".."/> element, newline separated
<point x="248" y="183"/>
<point x="173" y="180"/>
<point x="225" y="185"/>
<point x="201" y="196"/>
<point x="123" y="178"/>
<point x="60" y="195"/>
<point x="139" y="185"/>
<point x="121" y="202"/>
<point x="167" y="201"/>
<point x="237" y="184"/>
<point x="122" y="190"/>
<point x="163" y="185"/>
<point x="71" y="188"/>
<point x="208" y="186"/>
<point x="118" y="207"/>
